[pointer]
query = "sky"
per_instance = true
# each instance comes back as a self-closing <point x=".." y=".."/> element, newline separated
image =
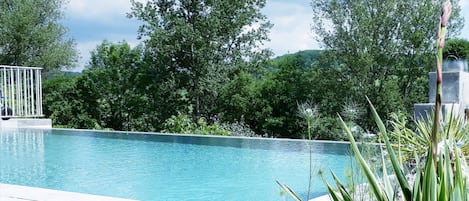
<point x="90" y="22"/>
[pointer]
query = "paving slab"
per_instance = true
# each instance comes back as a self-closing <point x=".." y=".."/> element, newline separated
<point x="26" y="123"/>
<point x="10" y="192"/>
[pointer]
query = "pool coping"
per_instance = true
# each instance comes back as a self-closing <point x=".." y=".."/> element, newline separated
<point x="207" y="136"/>
<point x="9" y="192"/>
<point x="219" y="136"/>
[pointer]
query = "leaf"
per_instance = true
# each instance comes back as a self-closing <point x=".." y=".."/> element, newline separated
<point x="443" y="176"/>
<point x="363" y="164"/>
<point x="388" y="189"/>
<point x="448" y="179"/>
<point x="395" y="163"/>
<point x="417" y="190"/>
<point x="460" y="188"/>
<point x="343" y="191"/>
<point x="289" y="191"/>
<point x="429" y="185"/>
<point x="332" y="193"/>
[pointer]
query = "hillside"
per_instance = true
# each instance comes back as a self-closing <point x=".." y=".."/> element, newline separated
<point x="307" y="57"/>
<point x="66" y="74"/>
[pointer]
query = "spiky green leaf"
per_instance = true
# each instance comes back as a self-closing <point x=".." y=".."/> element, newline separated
<point x="394" y="162"/>
<point x="372" y="180"/>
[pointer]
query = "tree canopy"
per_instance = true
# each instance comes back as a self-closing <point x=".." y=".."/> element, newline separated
<point x="199" y="44"/>
<point x="31" y="34"/>
<point x="382" y="49"/>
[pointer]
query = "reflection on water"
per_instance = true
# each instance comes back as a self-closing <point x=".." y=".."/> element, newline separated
<point x="21" y="151"/>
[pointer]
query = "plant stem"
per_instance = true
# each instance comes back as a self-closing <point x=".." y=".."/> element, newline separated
<point x="310" y="158"/>
<point x="436" y="119"/>
<point x="440" y="42"/>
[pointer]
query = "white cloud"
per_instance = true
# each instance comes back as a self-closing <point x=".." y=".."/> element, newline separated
<point x="101" y="10"/>
<point x="84" y="48"/>
<point x="104" y="19"/>
<point x="292" y="27"/>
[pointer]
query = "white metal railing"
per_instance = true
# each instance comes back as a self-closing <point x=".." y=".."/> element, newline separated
<point x="21" y="91"/>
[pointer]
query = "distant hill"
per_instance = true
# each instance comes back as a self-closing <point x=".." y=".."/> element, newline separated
<point x="66" y="74"/>
<point x="307" y="57"/>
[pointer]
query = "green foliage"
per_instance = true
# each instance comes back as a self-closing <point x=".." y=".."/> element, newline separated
<point x="112" y="75"/>
<point x="287" y="85"/>
<point x="64" y="74"/>
<point x="239" y="129"/>
<point x="307" y="57"/>
<point x="31" y="35"/>
<point x="179" y="124"/>
<point x="197" y="61"/>
<point x="380" y="49"/>
<point x="185" y="125"/>
<point x="328" y="128"/>
<point x="411" y="143"/>
<point x="199" y="45"/>
<point x="67" y="105"/>
<point x="210" y="129"/>
<point x="105" y="95"/>
<point x="275" y="97"/>
<point x="456" y="49"/>
<point x="268" y="101"/>
<point x="240" y="100"/>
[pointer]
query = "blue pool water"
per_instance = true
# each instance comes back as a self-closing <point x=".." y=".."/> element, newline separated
<point x="164" y="167"/>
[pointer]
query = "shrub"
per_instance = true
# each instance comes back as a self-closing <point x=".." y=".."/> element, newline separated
<point x="183" y="124"/>
<point x="456" y="49"/>
<point x="239" y="129"/>
<point x="328" y="128"/>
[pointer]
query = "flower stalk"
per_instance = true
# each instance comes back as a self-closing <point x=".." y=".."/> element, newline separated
<point x="440" y="42"/>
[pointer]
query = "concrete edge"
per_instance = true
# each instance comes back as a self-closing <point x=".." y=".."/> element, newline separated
<point x="15" y="192"/>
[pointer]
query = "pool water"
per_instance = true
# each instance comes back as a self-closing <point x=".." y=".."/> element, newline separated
<point x="164" y="167"/>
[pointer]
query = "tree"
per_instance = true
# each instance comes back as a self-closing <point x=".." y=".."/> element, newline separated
<point x="270" y="104"/>
<point x="69" y="103"/>
<point x="31" y="35"/>
<point x="284" y="89"/>
<point x="197" y="45"/>
<point x="111" y="93"/>
<point x="113" y="74"/>
<point x="382" y="49"/>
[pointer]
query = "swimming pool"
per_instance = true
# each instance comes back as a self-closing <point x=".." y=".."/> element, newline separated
<point x="163" y="167"/>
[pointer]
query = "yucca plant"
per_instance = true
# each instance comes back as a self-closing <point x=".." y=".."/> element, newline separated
<point x="440" y="176"/>
<point x="410" y="142"/>
<point x="445" y="181"/>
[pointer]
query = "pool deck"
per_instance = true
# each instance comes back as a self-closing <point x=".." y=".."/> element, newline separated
<point x="23" y="193"/>
<point x="322" y="198"/>
<point x="26" y="123"/>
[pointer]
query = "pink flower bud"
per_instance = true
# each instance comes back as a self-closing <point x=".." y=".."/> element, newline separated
<point x="445" y="13"/>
